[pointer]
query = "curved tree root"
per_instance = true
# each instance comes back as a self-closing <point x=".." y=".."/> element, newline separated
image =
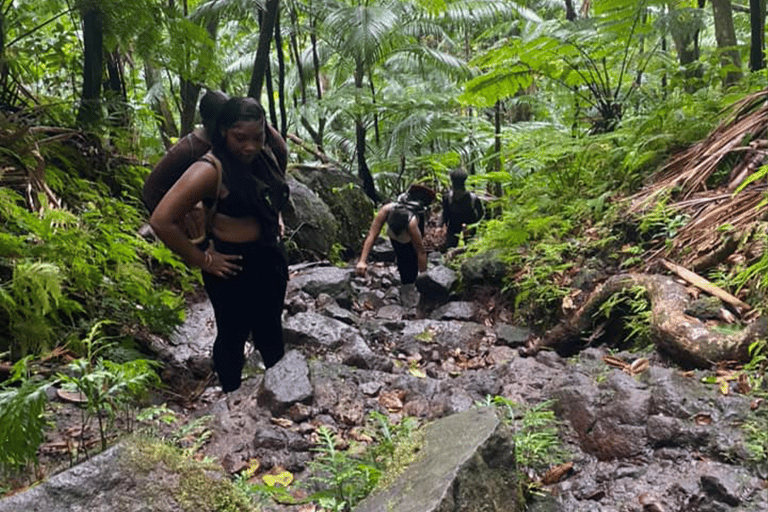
<point x="688" y="340"/>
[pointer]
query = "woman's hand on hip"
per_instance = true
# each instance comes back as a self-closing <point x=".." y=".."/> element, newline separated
<point x="220" y="264"/>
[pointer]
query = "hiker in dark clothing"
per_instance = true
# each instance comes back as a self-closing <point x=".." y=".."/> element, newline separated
<point x="184" y="153"/>
<point x="245" y="269"/>
<point x="460" y="208"/>
<point x="405" y="223"/>
<point x="190" y="148"/>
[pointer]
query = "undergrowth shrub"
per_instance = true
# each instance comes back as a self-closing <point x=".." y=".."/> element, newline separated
<point x="69" y="267"/>
<point x="22" y="418"/>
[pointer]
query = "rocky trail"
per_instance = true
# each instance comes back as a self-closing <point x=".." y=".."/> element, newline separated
<point x="640" y="434"/>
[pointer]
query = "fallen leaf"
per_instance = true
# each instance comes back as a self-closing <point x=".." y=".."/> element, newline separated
<point x="702" y="418"/>
<point x="74" y="397"/>
<point x="616" y="362"/>
<point x="417" y="372"/>
<point x="391" y="401"/>
<point x="638" y="366"/>
<point x="283" y="422"/>
<point x="281" y="476"/>
<point x="742" y="384"/>
<point x="555" y="474"/>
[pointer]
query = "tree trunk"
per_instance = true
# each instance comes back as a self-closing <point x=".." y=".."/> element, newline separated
<point x="115" y="92"/>
<point x="190" y="90"/>
<point x="189" y="93"/>
<point x="757" y="41"/>
<point x="5" y="93"/>
<point x="89" y="114"/>
<point x="726" y="41"/>
<point x="281" y="79"/>
<point x="165" y="122"/>
<point x="570" y="12"/>
<point x="360" y="140"/>
<point x="262" y="52"/>
<point x="688" y="340"/>
<point x="318" y="87"/>
<point x="369" y="187"/>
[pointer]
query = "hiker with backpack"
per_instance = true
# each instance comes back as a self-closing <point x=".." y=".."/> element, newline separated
<point x="245" y="269"/>
<point x="184" y="153"/>
<point x="405" y="220"/>
<point x="193" y="146"/>
<point x="460" y="209"/>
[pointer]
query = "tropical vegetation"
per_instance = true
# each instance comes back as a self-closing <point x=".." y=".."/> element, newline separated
<point x="559" y="110"/>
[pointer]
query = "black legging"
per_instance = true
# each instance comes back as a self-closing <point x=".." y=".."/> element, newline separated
<point x="249" y="303"/>
<point x="407" y="261"/>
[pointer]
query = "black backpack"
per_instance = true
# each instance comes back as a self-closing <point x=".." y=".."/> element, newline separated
<point x="410" y="207"/>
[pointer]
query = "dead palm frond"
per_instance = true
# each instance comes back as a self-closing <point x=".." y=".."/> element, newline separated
<point x="740" y="141"/>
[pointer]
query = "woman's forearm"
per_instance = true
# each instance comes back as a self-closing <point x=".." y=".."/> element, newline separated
<point x="176" y="240"/>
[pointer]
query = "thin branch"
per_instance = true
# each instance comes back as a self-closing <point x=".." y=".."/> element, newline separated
<point x="38" y="27"/>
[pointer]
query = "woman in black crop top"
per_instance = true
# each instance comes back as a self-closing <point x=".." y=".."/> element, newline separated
<point x="245" y="270"/>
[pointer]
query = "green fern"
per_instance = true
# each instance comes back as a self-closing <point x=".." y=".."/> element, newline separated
<point x="22" y="422"/>
<point x="31" y="300"/>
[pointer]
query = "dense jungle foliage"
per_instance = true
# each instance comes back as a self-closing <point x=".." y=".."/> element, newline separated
<point x="559" y="109"/>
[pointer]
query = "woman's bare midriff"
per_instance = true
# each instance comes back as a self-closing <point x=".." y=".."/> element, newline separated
<point x="236" y="229"/>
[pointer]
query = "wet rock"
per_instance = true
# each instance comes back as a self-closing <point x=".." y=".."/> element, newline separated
<point x="187" y="352"/>
<point x="392" y="312"/>
<point x="511" y="335"/>
<point x="286" y="383"/>
<point x="355" y="352"/>
<point x="476" y="474"/>
<point x="345" y="198"/>
<point x="338" y="313"/>
<point x="332" y="281"/>
<point x="371" y="300"/>
<point x="456" y="310"/>
<point x="487" y="268"/>
<point x="310" y="222"/>
<point x="436" y="283"/>
<point x="128" y="476"/>
<point x="316" y="330"/>
<point x="382" y="250"/>
<point x="721" y="488"/>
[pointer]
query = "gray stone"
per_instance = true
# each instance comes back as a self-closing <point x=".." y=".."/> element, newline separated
<point x="393" y="312"/>
<point x="311" y="225"/>
<point x="476" y="474"/>
<point x="511" y="335"/>
<point x="484" y="269"/>
<point x="455" y="310"/>
<point x="123" y="478"/>
<point x="286" y="383"/>
<point x="333" y="281"/>
<point x="317" y="330"/>
<point x="345" y="198"/>
<point x="338" y="313"/>
<point x="436" y="283"/>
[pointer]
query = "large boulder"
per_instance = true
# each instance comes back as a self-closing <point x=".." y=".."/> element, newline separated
<point x="477" y="473"/>
<point x="136" y="474"/>
<point x="345" y="198"/>
<point x="311" y="227"/>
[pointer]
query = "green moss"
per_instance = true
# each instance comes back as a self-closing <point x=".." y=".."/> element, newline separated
<point x="199" y="487"/>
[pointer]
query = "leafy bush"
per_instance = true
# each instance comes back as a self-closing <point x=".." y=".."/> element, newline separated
<point x="68" y="270"/>
<point x="535" y="432"/>
<point x="108" y="387"/>
<point x="22" y="403"/>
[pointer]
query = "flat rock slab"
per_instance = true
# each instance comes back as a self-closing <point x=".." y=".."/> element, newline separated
<point x="465" y="465"/>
